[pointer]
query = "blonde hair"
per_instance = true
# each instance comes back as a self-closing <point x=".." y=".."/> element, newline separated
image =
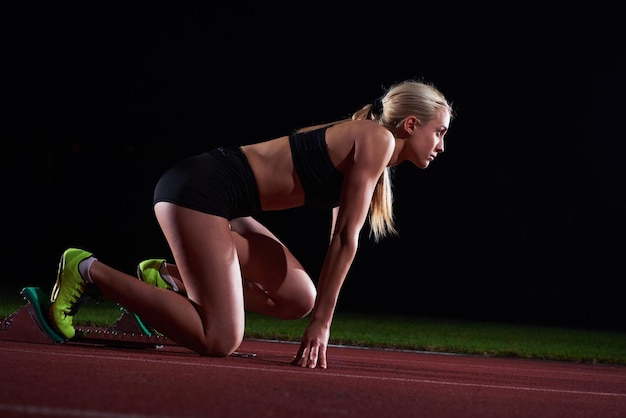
<point x="401" y="100"/>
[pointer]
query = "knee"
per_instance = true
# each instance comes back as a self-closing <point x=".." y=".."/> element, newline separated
<point x="299" y="312"/>
<point x="222" y="345"/>
<point x="302" y="306"/>
<point x="307" y="306"/>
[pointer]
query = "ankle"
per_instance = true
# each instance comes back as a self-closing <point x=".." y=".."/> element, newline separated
<point x="84" y="267"/>
<point x="165" y="275"/>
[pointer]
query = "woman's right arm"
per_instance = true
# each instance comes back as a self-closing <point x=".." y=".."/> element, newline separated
<point x="357" y="190"/>
<point x="333" y="222"/>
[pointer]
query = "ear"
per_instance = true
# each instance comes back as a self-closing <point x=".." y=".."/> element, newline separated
<point x="410" y="124"/>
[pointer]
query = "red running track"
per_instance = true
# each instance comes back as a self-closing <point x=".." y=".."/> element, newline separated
<point x="79" y="380"/>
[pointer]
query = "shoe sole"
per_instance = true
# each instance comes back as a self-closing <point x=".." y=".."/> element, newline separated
<point x="57" y="287"/>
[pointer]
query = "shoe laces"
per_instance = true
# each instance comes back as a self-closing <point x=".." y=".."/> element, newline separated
<point x="80" y="296"/>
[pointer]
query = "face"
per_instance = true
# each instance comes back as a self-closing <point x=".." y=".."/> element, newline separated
<point x="426" y="141"/>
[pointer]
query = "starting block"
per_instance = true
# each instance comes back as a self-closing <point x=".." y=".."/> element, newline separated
<point x="31" y="324"/>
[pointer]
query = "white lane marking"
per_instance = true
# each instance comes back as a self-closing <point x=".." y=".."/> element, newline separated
<point x="298" y="370"/>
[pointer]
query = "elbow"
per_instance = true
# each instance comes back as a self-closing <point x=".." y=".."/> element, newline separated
<point x="348" y="240"/>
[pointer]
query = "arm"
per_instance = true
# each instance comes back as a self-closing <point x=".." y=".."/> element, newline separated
<point x="333" y="223"/>
<point x="358" y="187"/>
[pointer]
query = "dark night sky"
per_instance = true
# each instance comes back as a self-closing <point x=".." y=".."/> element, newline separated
<point x="520" y="219"/>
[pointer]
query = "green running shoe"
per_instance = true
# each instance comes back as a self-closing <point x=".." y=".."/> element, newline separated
<point x="70" y="291"/>
<point x="150" y="272"/>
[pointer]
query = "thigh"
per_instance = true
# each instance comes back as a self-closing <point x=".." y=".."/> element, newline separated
<point x="267" y="262"/>
<point x="206" y="258"/>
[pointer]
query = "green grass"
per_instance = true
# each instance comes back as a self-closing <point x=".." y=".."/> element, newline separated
<point x="456" y="336"/>
<point x="415" y="333"/>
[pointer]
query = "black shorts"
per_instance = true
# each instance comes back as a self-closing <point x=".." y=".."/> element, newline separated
<point x="219" y="182"/>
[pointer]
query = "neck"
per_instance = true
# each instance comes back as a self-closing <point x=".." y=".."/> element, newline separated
<point x="397" y="156"/>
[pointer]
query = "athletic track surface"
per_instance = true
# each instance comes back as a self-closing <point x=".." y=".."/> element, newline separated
<point x="92" y="381"/>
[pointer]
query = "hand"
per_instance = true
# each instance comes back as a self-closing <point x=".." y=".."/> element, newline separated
<point x="312" y="350"/>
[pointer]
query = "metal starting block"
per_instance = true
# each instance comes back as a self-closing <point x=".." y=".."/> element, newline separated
<point x="30" y="324"/>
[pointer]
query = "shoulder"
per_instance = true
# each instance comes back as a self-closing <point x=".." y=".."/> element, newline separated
<point x="361" y="132"/>
<point x="365" y="140"/>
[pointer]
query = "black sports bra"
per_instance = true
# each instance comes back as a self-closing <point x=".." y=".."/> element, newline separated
<point x="320" y="179"/>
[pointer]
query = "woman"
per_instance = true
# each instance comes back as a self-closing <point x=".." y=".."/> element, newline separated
<point x="226" y="261"/>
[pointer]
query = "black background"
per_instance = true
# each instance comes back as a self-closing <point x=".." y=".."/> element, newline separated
<point x="521" y="219"/>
